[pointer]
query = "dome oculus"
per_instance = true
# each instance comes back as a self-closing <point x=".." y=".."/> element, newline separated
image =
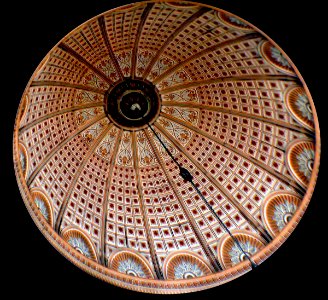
<point x="132" y="103"/>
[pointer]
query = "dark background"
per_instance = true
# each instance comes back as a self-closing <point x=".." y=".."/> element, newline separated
<point x="30" y="29"/>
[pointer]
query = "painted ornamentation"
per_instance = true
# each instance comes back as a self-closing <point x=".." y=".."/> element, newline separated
<point x="298" y="103"/>
<point x="154" y="133"/>
<point x="80" y="241"/>
<point x="230" y="254"/>
<point x="185" y="265"/>
<point x="300" y="157"/>
<point x="237" y="256"/>
<point x="130" y="262"/>
<point x="186" y="270"/>
<point x="275" y="57"/>
<point x="23" y="159"/>
<point x="233" y="21"/>
<point x="278" y="209"/>
<point x="283" y="213"/>
<point x="79" y="244"/>
<point x="44" y="205"/>
<point x="279" y="57"/>
<point x="304" y="107"/>
<point x="305" y="162"/>
<point x="131" y="267"/>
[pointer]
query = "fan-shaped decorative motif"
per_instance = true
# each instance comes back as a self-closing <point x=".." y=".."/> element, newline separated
<point x="299" y="105"/>
<point x="275" y="57"/>
<point x="234" y="21"/>
<point x="185" y="265"/>
<point x="278" y="209"/>
<point x="300" y="158"/>
<point x="23" y="158"/>
<point x="230" y="254"/>
<point x="131" y="263"/>
<point x="154" y="131"/>
<point x="44" y="205"/>
<point x="80" y="242"/>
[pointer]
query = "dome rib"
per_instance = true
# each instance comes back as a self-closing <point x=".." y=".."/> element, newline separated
<point x="179" y="65"/>
<point x="36" y="83"/>
<point x="85" y="160"/>
<point x="106" y="196"/>
<point x="142" y="206"/>
<point x="91" y="67"/>
<point x="250" y="219"/>
<point x="193" y="17"/>
<point x="227" y="127"/>
<point x="144" y="17"/>
<point x="60" y="112"/>
<point x="102" y="25"/>
<point x="191" y="104"/>
<point x="60" y="145"/>
<point x="207" y="250"/>
<point x="198" y="83"/>
<point x="281" y="177"/>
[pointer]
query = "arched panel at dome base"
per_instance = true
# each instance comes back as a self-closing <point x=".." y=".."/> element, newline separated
<point x="278" y="209"/>
<point x="131" y="263"/>
<point x="230" y="254"/>
<point x="185" y="265"/>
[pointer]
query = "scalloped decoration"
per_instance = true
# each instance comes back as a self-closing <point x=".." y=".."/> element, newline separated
<point x="23" y="159"/>
<point x="275" y="57"/>
<point x="44" y="205"/>
<point x="233" y="21"/>
<point x="278" y="209"/>
<point x="185" y="265"/>
<point x="299" y="106"/>
<point x="229" y="253"/>
<point x="80" y="242"/>
<point x="300" y="159"/>
<point x="130" y="263"/>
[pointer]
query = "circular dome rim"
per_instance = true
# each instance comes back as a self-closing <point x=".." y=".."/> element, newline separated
<point x="153" y="285"/>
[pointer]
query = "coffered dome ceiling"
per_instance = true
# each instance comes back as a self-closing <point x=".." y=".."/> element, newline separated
<point x="166" y="147"/>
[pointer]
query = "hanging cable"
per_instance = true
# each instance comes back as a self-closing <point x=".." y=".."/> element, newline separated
<point x="186" y="175"/>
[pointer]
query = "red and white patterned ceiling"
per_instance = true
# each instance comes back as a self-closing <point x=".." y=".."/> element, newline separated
<point x="233" y="110"/>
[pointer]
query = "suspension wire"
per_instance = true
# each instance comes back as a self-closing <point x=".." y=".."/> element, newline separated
<point x="186" y="175"/>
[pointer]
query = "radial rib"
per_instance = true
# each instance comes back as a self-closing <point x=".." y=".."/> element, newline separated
<point x="144" y="16"/>
<point x="204" y="52"/>
<point x="102" y="25"/>
<point x="77" y="56"/>
<point x="186" y="23"/>
<point x="150" y="240"/>
<point x="237" y="113"/>
<point x="196" y="83"/>
<point x="202" y="241"/>
<point x="106" y="195"/>
<point x="77" y="175"/>
<point x="250" y="219"/>
<point x="261" y="165"/>
<point x="59" y="112"/>
<point x="69" y="85"/>
<point x="59" y="146"/>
